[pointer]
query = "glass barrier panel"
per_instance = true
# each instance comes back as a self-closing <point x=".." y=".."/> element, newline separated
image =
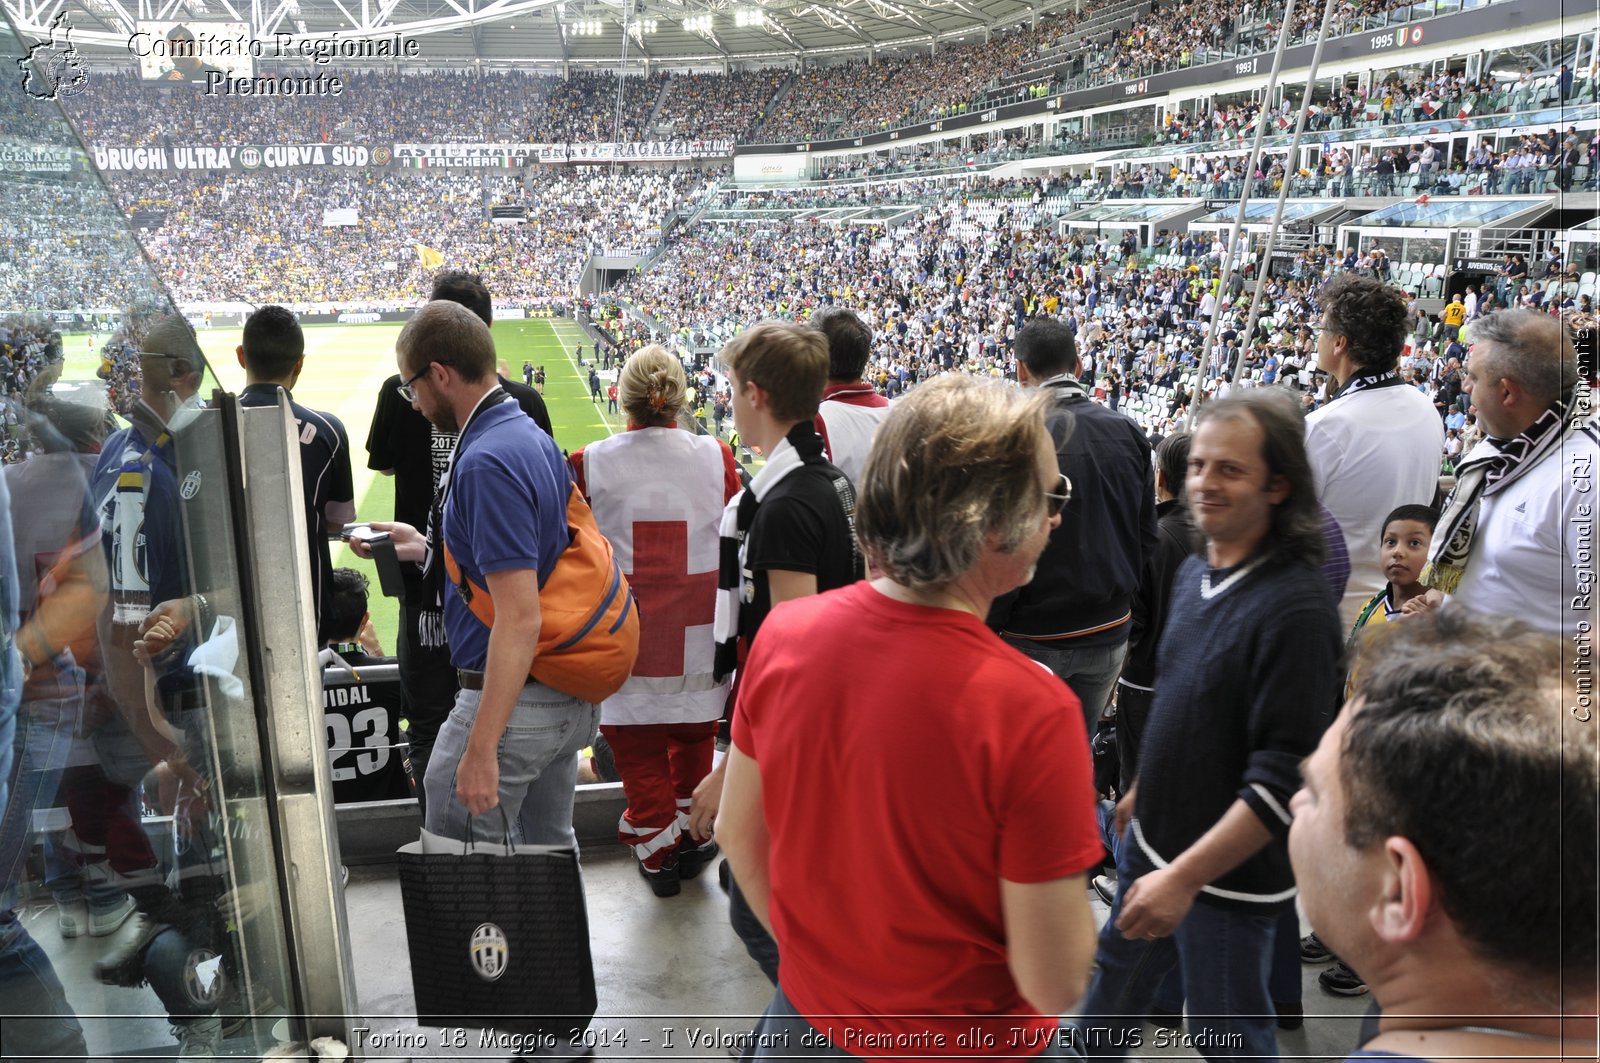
<point x="140" y="909"/>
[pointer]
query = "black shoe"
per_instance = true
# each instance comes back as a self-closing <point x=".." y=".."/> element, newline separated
<point x="663" y="882"/>
<point x="1290" y="1016"/>
<point x="1342" y="980"/>
<point x="1162" y="1019"/>
<point x="1105" y="887"/>
<point x="695" y="858"/>
<point x="1312" y="950"/>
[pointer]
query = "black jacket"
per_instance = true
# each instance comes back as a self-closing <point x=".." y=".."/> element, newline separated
<point x="1083" y="589"/>
<point x="1176" y="539"/>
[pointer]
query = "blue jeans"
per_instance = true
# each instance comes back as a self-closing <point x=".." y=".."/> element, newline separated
<point x="538" y="768"/>
<point x="186" y="978"/>
<point x="42" y="746"/>
<point x="1224" y="956"/>
<point x="1169" y="994"/>
<point x="42" y="1023"/>
<point x="1091" y="671"/>
<point x="783" y="1033"/>
<point x="761" y="946"/>
<point x="46" y="740"/>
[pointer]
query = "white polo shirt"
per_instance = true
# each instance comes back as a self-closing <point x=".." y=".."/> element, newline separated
<point x="1372" y="451"/>
<point x="1533" y="557"/>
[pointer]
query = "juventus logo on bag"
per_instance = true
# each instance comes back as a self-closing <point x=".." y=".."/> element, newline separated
<point x="490" y="952"/>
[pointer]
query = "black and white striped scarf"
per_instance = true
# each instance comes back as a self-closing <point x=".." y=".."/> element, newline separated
<point x="733" y="587"/>
<point x="1368" y="382"/>
<point x="1491" y="469"/>
<point x="735" y="582"/>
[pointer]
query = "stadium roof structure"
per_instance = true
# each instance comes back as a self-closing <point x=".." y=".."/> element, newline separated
<point x="587" y="33"/>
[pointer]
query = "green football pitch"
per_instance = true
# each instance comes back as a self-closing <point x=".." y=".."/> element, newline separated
<point x="345" y="367"/>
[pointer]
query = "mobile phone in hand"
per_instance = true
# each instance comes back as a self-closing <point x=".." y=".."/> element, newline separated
<point x="364" y="533"/>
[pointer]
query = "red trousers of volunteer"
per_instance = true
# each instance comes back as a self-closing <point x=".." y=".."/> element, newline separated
<point x="660" y="765"/>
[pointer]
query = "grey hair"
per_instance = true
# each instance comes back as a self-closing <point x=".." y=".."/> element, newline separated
<point x="1533" y="349"/>
<point x="955" y="462"/>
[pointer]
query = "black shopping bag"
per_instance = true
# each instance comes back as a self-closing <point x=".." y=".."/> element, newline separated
<point x="498" y="936"/>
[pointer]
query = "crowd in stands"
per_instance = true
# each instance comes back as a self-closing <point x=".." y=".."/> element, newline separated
<point x="1530" y="164"/>
<point x="1185" y="32"/>
<point x="32" y="357"/>
<point x="848" y="99"/>
<point x="62" y="248"/>
<point x="29" y="345"/>
<point x="262" y="238"/>
<point x="1398" y="100"/>
<point x="982" y="150"/>
<point x="438" y="106"/>
<point x="948" y="291"/>
<point x="929" y="86"/>
<point x="719" y="107"/>
<point x="823" y="97"/>
<point x="584" y="107"/>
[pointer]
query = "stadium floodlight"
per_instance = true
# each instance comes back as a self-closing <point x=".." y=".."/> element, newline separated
<point x="749" y="17"/>
<point x="648" y="25"/>
<point x="586" y="27"/>
<point x="698" y="23"/>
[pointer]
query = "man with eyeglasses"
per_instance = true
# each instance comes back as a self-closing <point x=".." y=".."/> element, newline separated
<point x="1076" y="614"/>
<point x="403" y="444"/>
<point x="509" y="741"/>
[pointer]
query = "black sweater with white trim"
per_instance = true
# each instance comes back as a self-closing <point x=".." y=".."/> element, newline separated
<point x="1247" y="681"/>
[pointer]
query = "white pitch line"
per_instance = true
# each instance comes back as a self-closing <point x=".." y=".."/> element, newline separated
<point x="611" y="429"/>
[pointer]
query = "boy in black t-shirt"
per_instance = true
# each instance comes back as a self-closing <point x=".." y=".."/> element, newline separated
<point x="794" y="527"/>
<point x="800" y="539"/>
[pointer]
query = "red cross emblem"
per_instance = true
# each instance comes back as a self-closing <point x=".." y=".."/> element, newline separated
<point x="671" y="599"/>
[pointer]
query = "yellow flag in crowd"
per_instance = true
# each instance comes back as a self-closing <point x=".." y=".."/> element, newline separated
<point x="429" y="258"/>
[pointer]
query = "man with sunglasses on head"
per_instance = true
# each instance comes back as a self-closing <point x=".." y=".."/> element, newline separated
<point x="1076" y="615"/>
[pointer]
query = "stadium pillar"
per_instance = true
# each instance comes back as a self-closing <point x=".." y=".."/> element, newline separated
<point x="1283" y="192"/>
<point x="1238" y="222"/>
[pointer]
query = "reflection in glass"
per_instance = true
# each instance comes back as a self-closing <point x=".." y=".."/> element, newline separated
<point x="139" y="909"/>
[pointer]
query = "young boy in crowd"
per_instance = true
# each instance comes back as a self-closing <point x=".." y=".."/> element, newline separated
<point x="1403" y="550"/>
<point x="1407" y="535"/>
<point x="351" y="637"/>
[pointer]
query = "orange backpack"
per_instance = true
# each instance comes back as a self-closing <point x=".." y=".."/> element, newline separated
<point x="588" y="620"/>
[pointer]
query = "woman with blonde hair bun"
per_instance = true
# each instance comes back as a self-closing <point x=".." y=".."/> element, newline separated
<point x="658" y="492"/>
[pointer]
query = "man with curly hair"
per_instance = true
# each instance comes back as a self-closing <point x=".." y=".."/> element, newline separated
<point x="1374" y="446"/>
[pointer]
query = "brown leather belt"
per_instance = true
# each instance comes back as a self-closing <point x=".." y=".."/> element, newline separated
<point x="469" y="680"/>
